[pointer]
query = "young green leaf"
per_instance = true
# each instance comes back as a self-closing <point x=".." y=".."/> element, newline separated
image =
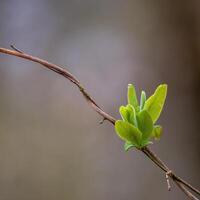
<point x="128" y="145"/>
<point x="128" y="132"/>
<point x="128" y="114"/>
<point x="124" y="113"/>
<point x="145" y="124"/>
<point x="155" y="103"/>
<point x="157" y="131"/>
<point x="132" y="111"/>
<point x="132" y="97"/>
<point x="142" y="99"/>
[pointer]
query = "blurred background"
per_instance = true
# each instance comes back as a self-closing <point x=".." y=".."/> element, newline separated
<point x="51" y="143"/>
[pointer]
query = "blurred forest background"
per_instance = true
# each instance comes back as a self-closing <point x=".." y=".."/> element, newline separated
<point x="51" y="143"/>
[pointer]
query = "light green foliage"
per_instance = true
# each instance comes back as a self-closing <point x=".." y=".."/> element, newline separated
<point x="155" y="103"/>
<point x="128" y="132"/>
<point x="137" y="125"/>
<point x="132" y="97"/>
<point x="157" y="131"/>
<point x="145" y="124"/>
<point x="128" y="145"/>
<point x="142" y="99"/>
<point x="128" y="114"/>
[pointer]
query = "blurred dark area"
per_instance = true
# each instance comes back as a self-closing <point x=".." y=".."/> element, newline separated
<point x="51" y="143"/>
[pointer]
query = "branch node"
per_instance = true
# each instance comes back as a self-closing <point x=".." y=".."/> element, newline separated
<point x="16" y="49"/>
<point x="167" y="175"/>
<point x="102" y="121"/>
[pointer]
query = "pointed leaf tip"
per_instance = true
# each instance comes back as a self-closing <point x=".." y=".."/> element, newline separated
<point x="155" y="103"/>
<point x="142" y="100"/>
<point x="132" y="97"/>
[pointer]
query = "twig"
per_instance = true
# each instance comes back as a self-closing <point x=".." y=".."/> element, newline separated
<point x="187" y="193"/>
<point x="16" y="49"/>
<point x="167" y="179"/>
<point x="163" y="166"/>
<point x="102" y="121"/>
<point x="63" y="72"/>
<point x="180" y="182"/>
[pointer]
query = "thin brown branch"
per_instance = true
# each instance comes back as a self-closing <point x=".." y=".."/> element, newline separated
<point x="63" y="72"/>
<point x="187" y="193"/>
<point x="179" y="182"/>
<point x="167" y="179"/>
<point x="164" y="167"/>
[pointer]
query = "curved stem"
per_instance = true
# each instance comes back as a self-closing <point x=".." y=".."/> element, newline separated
<point x="63" y="72"/>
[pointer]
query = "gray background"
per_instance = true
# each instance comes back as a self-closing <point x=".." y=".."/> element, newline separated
<point x="51" y="145"/>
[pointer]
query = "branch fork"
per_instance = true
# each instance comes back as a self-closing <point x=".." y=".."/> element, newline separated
<point x="167" y="174"/>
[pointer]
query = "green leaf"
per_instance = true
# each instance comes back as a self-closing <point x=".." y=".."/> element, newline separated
<point x="128" y="145"/>
<point x="128" y="114"/>
<point x="157" y="131"/>
<point x="132" y="97"/>
<point x="132" y="111"/>
<point x="128" y="132"/>
<point x="145" y="124"/>
<point x="124" y="113"/>
<point x="155" y="103"/>
<point x="142" y="99"/>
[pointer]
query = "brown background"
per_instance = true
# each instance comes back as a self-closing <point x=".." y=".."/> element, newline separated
<point x="51" y="145"/>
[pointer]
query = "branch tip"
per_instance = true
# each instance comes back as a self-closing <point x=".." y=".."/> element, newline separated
<point x="16" y="49"/>
<point x="168" y="173"/>
<point x="102" y="121"/>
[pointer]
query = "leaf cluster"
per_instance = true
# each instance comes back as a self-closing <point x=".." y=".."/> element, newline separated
<point x="137" y="127"/>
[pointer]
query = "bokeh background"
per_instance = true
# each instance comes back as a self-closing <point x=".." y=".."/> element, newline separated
<point x="51" y="143"/>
